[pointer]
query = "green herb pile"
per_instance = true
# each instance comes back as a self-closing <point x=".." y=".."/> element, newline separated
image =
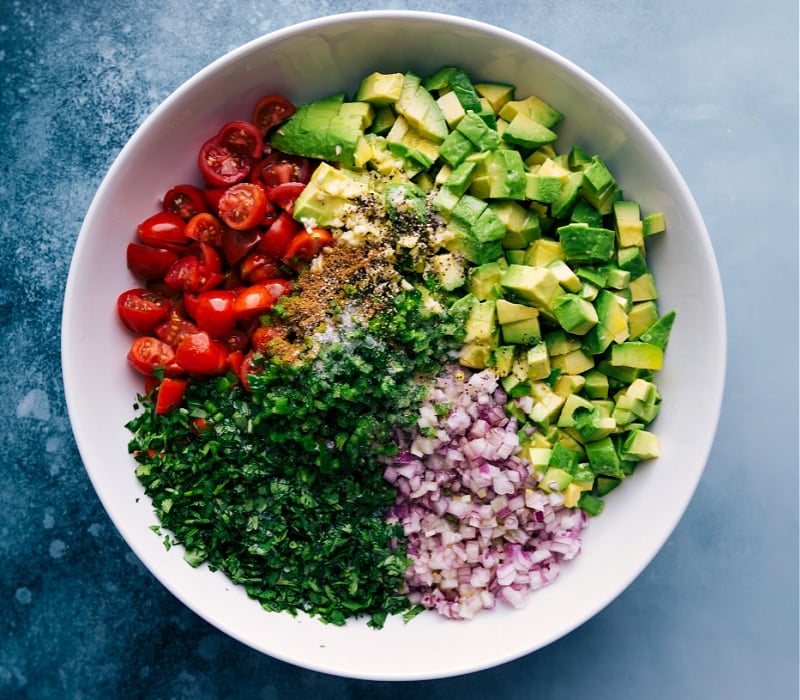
<point x="282" y="488"/>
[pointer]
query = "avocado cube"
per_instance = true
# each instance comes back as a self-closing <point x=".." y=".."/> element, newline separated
<point x="640" y="445"/>
<point x="658" y="333"/>
<point x="628" y="222"/>
<point x="596" y="386"/>
<point x="597" y="185"/>
<point x="475" y="356"/>
<point x="509" y="312"/>
<point x="573" y="362"/>
<point x="572" y="404"/>
<point x="478" y="133"/>
<point x="502" y="360"/>
<point x="483" y="280"/>
<point x="555" y="479"/>
<point x="637" y="355"/>
<point x="567" y="384"/>
<point x="459" y="179"/>
<point x="564" y="458"/>
<point x="488" y="227"/>
<point x="542" y="188"/>
<point x="643" y="288"/>
<point x="419" y="107"/>
<point x="641" y="316"/>
<point x="449" y="270"/>
<point x="537" y="284"/>
<point x="451" y="108"/>
<point x="364" y="112"/>
<point x="591" y="505"/>
<point x="465" y="90"/>
<point x="455" y="148"/>
<point x="532" y="107"/>
<point x="560" y="343"/>
<point x="593" y="425"/>
<point x="481" y="324"/>
<point x="612" y="315"/>
<point x="568" y="197"/>
<point x="578" y="158"/>
<point x="542" y="252"/>
<point x="653" y="223"/>
<point x="522" y="225"/>
<point x="538" y="362"/>
<point x="521" y="332"/>
<point x="585" y="213"/>
<point x="575" y="315"/>
<point x="632" y="259"/>
<point x="468" y="210"/>
<point x="524" y="131"/>
<point x="383" y="121"/>
<point x="566" y="277"/>
<point x="586" y="244"/>
<point x="497" y="94"/>
<point x="603" y="457"/>
<point x="380" y="88"/>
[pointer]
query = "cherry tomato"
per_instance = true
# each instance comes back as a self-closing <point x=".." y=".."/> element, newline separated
<point x="243" y="206"/>
<point x="214" y="312"/>
<point x="142" y="310"/>
<point x="184" y="274"/>
<point x="270" y="111"/>
<point x="257" y="267"/>
<point x="174" y="329"/>
<point x="198" y="353"/>
<point x="164" y="227"/>
<point x="206" y="228"/>
<point x="148" y="263"/>
<point x="170" y="394"/>
<point x="235" y="359"/>
<point x="260" y="297"/>
<point x="212" y="195"/>
<point x="284" y="195"/>
<point x="148" y="353"/>
<point x="185" y="200"/>
<point x="237" y="244"/>
<point x="237" y="339"/>
<point x="249" y="365"/>
<point x="279" y="168"/>
<point x="241" y="138"/>
<point x="306" y="244"/>
<point x="276" y="239"/>
<point x="221" y="167"/>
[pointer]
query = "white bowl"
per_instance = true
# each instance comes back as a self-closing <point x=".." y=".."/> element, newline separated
<point x="314" y="59"/>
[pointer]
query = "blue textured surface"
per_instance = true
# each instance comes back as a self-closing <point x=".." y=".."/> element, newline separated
<point x="716" y="613"/>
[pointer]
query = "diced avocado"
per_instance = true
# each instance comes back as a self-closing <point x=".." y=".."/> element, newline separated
<point x="364" y="111"/>
<point x="327" y="193"/>
<point x="499" y="174"/>
<point x="462" y="86"/>
<point x="522" y="225"/>
<point x="533" y="108"/>
<point x="643" y="288"/>
<point x="405" y="142"/>
<point x="628" y="222"/>
<point x="596" y="386"/>
<point x="484" y="280"/>
<point x="380" y="88"/>
<point x="572" y="404"/>
<point x="440" y="80"/>
<point x="586" y="244"/>
<point x="405" y="199"/>
<point x="640" y="445"/>
<point x="578" y="158"/>
<point x="641" y="316"/>
<point x="498" y="94"/>
<point x="568" y="197"/>
<point x="537" y="284"/>
<point x="566" y="277"/>
<point x="522" y="332"/>
<point x="592" y="425"/>
<point x="603" y="458"/>
<point x="653" y="223"/>
<point x="542" y="188"/>
<point x="524" y="131"/>
<point x="452" y="109"/>
<point x="419" y="107"/>
<point x="585" y="213"/>
<point x="637" y="355"/>
<point x="658" y="333"/>
<point x="509" y="312"/>
<point x="515" y="255"/>
<point x="383" y="121"/>
<point x="606" y="484"/>
<point x="555" y="479"/>
<point x="478" y="133"/>
<point x="502" y="360"/>
<point x="547" y="404"/>
<point x="455" y="148"/>
<point x="612" y="316"/>
<point x="538" y="362"/>
<point x="449" y="270"/>
<point x="575" y="315"/>
<point x="475" y="356"/>
<point x="481" y="324"/>
<point x="460" y="177"/>
<point x="617" y="278"/>
<point x="564" y="458"/>
<point x="560" y="343"/>
<point x="542" y="252"/>
<point x="598" y="185"/>
<point x="573" y="362"/>
<point x="591" y="505"/>
<point x="632" y="259"/>
<point x="488" y="228"/>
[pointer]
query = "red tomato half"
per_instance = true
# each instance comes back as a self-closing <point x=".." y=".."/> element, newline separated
<point x="214" y="312"/>
<point x="148" y="263"/>
<point x="258" y="267"/>
<point x="170" y="394"/>
<point x="237" y="244"/>
<point x="162" y="229"/>
<point x="174" y="329"/>
<point x="270" y="111"/>
<point x="279" y="168"/>
<point x="142" y="310"/>
<point x="306" y="244"/>
<point x="185" y="200"/>
<point x="259" y="298"/>
<point x="206" y="228"/>
<point x="148" y="353"/>
<point x="243" y="206"/>
<point x="221" y="167"/>
<point x="285" y="194"/>
<point x="276" y="239"/>
<point x="242" y="138"/>
<point x="199" y="354"/>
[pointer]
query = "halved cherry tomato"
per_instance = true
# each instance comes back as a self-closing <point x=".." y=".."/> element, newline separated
<point x="214" y="312"/>
<point x="242" y="138"/>
<point x="250" y="365"/>
<point x="262" y="338"/>
<point x="284" y="195"/>
<point x="212" y="195"/>
<point x="170" y="394"/>
<point x="175" y="329"/>
<point x="205" y="227"/>
<point x="237" y="244"/>
<point x="235" y="359"/>
<point x="184" y="274"/>
<point x="270" y="111"/>
<point x="243" y="206"/>
<point x="148" y="263"/>
<point x="148" y="353"/>
<point x="259" y="298"/>
<point x="142" y="310"/>
<point x="279" y="168"/>
<point x="306" y="244"/>
<point x="162" y="229"/>
<point x="185" y="200"/>
<point x="276" y="239"/>
<point x="198" y="353"/>
<point x="221" y="167"/>
<point x="257" y="267"/>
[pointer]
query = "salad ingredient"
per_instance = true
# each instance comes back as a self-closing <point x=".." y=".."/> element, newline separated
<point x="185" y="200"/>
<point x="270" y="111"/>
<point x="243" y="206"/>
<point x="142" y="310"/>
<point x="163" y="229"/>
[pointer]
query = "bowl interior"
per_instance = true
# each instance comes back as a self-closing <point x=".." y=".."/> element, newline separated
<point x="312" y="60"/>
